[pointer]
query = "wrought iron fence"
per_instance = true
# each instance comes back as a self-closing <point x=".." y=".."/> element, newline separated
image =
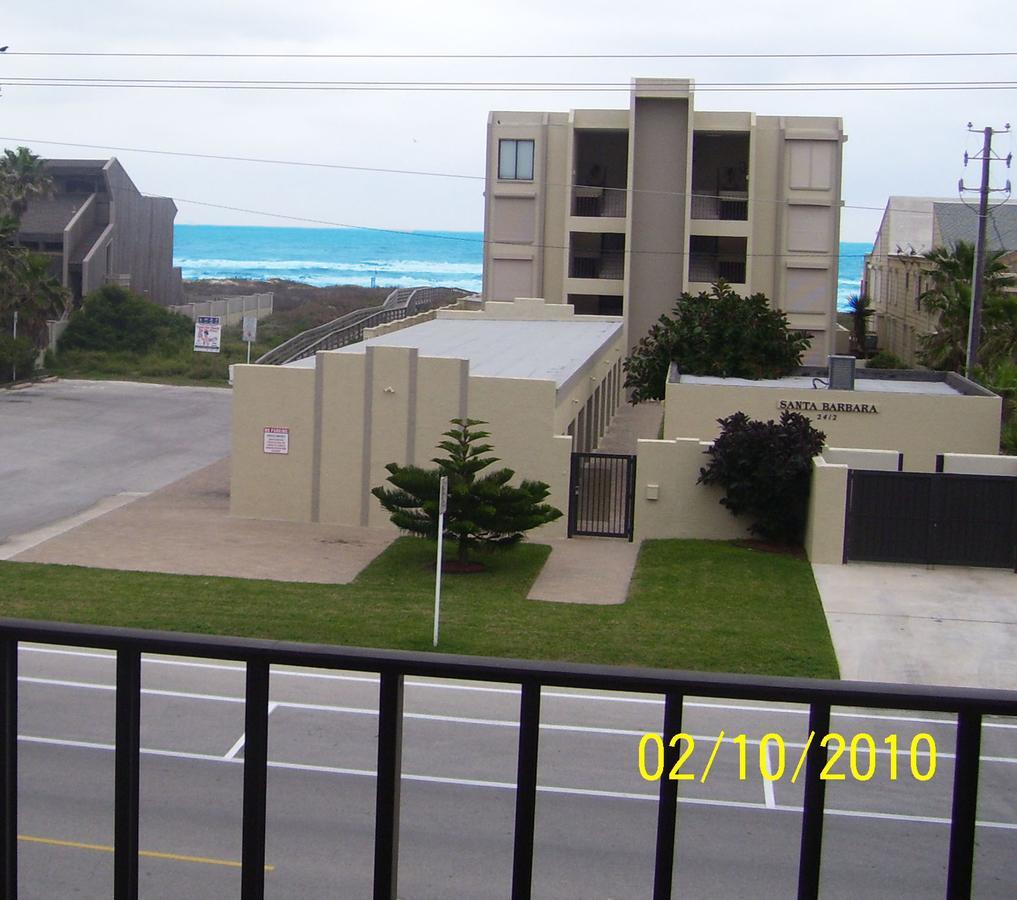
<point x="393" y="667"/>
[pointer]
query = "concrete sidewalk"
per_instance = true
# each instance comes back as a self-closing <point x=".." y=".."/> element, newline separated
<point x="185" y="528"/>
<point x="586" y="570"/>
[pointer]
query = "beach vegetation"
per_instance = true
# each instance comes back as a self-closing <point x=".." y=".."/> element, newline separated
<point x="717" y="333"/>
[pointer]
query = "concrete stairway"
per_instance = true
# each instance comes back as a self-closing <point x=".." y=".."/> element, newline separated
<point x="630" y="423"/>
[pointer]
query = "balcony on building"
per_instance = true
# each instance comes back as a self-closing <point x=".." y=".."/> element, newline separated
<point x="596" y="304"/>
<point x="720" y="176"/>
<point x="713" y="259"/>
<point x="600" y="173"/>
<point x="595" y="255"/>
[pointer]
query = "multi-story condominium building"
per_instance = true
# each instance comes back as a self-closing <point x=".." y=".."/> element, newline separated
<point x="619" y="211"/>
<point x="97" y="227"/>
<point x="896" y="273"/>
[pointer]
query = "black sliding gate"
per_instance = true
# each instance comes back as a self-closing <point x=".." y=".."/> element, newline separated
<point x="602" y="495"/>
<point x="931" y="518"/>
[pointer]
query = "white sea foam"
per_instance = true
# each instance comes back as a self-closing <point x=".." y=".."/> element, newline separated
<point x="307" y="265"/>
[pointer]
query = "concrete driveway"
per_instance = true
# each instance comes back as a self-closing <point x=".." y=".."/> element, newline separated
<point x="69" y="446"/>
<point x="945" y="625"/>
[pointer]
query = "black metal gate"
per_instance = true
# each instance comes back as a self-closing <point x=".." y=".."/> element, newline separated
<point x="602" y="495"/>
<point x="931" y="518"/>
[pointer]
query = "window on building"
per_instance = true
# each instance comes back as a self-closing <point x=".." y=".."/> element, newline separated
<point x="515" y="160"/>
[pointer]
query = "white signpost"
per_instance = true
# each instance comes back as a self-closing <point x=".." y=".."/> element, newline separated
<point x="442" y="505"/>
<point x="250" y="333"/>
<point x="207" y="334"/>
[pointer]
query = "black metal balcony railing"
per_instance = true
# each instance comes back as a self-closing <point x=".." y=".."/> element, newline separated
<point x="393" y="667"/>
<point x="606" y="265"/>
<point x="599" y="202"/>
<point x="726" y="206"/>
<point x="709" y="269"/>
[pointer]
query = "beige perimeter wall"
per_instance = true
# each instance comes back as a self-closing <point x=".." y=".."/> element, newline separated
<point x="918" y="425"/>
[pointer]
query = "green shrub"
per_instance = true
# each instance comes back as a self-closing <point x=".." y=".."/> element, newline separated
<point x="114" y="319"/>
<point x="718" y="333"/>
<point x="886" y="360"/>
<point x="16" y="355"/>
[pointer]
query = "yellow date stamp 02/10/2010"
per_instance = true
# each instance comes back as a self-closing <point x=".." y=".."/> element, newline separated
<point x="856" y="757"/>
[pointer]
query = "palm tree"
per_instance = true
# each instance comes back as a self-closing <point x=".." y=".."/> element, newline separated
<point x="21" y="178"/>
<point x="861" y="310"/>
<point x="950" y="297"/>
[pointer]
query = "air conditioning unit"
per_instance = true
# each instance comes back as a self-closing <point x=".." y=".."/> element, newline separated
<point x="842" y="373"/>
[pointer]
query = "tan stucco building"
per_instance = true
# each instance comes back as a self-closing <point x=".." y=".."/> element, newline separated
<point x="618" y="211"/>
<point x="311" y="439"/>
<point x="896" y="273"/>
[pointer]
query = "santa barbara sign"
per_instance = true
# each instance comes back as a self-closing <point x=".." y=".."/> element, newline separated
<point x="823" y="406"/>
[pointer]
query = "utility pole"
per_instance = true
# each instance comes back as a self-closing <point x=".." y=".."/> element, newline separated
<point x="978" y="275"/>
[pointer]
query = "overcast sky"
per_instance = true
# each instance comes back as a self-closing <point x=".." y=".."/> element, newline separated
<point x="900" y="142"/>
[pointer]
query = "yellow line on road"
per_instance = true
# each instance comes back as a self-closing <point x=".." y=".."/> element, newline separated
<point x="151" y="854"/>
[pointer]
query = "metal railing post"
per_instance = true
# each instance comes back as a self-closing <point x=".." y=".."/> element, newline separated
<point x="965" y="805"/>
<point x="252" y="877"/>
<point x="9" y="762"/>
<point x="667" y="803"/>
<point x="813" y="804"/>
<point x="390" y="761"/>
<point x="127" y="775"/>
<point x="526" y="790"/>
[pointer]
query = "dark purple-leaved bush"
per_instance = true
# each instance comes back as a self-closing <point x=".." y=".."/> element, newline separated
<point x="765" y="469"/>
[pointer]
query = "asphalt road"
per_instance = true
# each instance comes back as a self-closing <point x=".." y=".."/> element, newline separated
<point x="595" y="816"/>
<point x="67" y="445"/>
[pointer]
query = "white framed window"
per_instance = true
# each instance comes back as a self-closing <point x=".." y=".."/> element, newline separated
<point x="515" y="160"/>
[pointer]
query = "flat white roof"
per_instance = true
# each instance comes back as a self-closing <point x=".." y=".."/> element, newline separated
<point x="502" y="348"/>
<point x="862" y="384"/>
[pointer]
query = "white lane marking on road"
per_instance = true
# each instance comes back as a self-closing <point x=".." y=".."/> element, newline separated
<point x="238" y="746"/>
<point x="768" y="799"/>
<point x="462" y="720"/>
<point x="451" y="685"/>
<point x="507" y="785"/>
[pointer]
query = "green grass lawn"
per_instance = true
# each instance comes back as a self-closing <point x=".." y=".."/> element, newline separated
<point x="692" y="605"/>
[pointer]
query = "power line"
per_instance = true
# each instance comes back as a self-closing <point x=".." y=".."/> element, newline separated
<point x="367" y="169"/>
<point x="500" y="87"/>
<point x="425" y="55"/>
<point x="453" y="237"/>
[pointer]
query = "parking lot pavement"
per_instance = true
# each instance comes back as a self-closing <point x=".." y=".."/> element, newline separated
<point x="885" y="837"/>
<point x="67" y="446"/>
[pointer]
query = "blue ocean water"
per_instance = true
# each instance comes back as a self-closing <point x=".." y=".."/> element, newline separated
<point x="326" y="256"/>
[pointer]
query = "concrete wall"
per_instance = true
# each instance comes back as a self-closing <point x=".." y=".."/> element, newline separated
<point x="669" y="503"/>
<point x="987" y="464"/>
<point x="824" y="528"/>
<point x="266" y="485"/>
<point x="918" y="425"/>
<point x="354" y="413"/>
<point x="660" y="162"/>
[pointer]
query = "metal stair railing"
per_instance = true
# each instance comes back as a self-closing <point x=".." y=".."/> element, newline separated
<point x="349" y="328"/>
